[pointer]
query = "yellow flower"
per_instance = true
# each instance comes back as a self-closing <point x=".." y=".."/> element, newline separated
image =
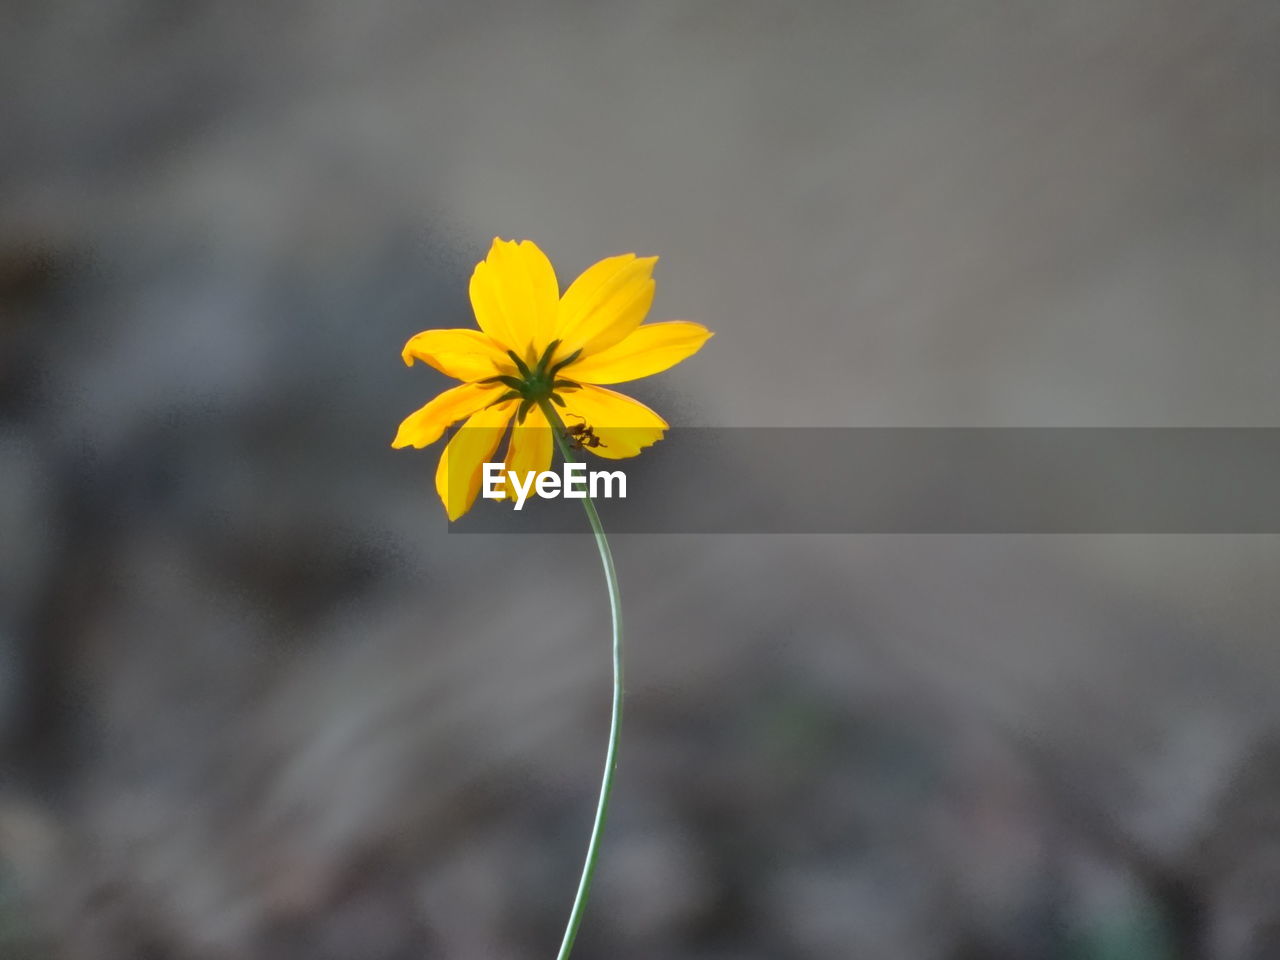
<point x="535" y="346"/>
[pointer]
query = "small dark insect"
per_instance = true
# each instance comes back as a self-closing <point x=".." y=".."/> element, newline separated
<point x="582" y="436"/>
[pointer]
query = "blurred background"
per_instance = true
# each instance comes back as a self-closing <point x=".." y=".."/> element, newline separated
<point x="257" y="702"/>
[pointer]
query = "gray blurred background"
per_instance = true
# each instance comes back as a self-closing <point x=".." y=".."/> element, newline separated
<point x="256" y="702"/>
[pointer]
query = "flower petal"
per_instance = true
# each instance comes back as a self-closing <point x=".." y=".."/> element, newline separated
<point x="461" y="465"/>
<point x="530" y="447"/>
<point x="651" y="348"/>
<point x="624" y="426"/>
<point x="515" y="296"/>
<point x="425" y="426"/>
<point x="461" y="354"/>
<point x="605" y="304"/>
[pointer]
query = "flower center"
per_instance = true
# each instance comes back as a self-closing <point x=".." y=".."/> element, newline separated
<point x="537" y="383"/>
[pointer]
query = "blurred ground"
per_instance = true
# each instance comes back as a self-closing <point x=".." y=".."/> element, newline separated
<point x="256" y="703"/>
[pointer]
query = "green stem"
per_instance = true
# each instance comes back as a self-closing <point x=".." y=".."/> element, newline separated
<point x="615" y="717"/>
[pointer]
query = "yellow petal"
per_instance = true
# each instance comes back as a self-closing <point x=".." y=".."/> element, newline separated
<point x="624" y="426"/>
<point x="515" y="296"/>
<point x="605" y="304"/>
<point x="651" y="348"/>
<point x="530" y="446"/>
<point x="461" y="354"/>
<point x="460" y="470"/>
<point x="425" y="426"/>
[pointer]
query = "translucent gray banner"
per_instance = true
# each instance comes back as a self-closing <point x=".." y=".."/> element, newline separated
<point x="927" y="480"/>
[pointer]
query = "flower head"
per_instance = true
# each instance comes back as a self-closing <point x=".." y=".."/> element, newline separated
<point x="536" y="347"/>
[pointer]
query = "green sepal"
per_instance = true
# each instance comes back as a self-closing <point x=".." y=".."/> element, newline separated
<point x="565" y="362"/>
<point x="520" y="364"/>
<point x="509" y="395"/>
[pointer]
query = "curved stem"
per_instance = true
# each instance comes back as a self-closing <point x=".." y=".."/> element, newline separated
<point x="615" y="718"/>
